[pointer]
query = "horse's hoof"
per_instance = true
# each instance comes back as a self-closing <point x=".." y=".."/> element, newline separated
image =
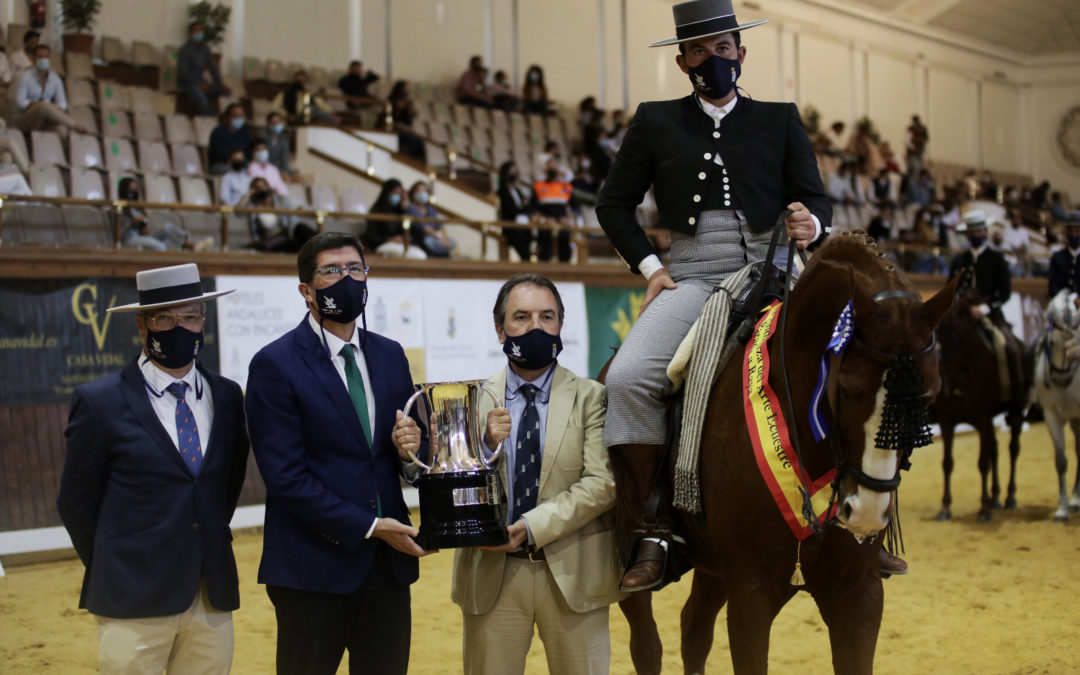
<point x="1010" y="503"/>
<point x="1074" y="508"/>
<point x="996" y="504"/>
<point x="944" y="515"/>
<point x="983" y="517"/>
<point x="1061" y="516"/>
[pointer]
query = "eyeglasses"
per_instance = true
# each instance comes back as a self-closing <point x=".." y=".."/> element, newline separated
<point x="358" y="272"/>
<point x="163" y="322"/>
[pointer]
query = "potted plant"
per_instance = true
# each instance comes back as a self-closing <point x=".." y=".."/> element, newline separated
<point x="214" y="19"/>
<point x="77" y="17"/>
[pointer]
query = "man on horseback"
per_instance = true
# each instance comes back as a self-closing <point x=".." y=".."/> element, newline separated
<point x="1065" y="264"/>
<point x="984" y="272"/>
<point x="723" y="168"/>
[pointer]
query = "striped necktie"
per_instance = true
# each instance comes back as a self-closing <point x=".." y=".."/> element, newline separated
<point x="187" y="433"/>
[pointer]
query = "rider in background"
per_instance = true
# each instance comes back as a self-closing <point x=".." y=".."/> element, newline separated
<point x="985" y="272"/>
<point x="1065" y="264"/>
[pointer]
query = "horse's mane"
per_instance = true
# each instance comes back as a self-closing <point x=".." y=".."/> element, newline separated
<point x="861" y="252"/>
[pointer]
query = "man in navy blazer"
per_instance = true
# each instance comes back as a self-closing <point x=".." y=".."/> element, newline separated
<point x="338" y="554"/>
<point x="156" y="455"/>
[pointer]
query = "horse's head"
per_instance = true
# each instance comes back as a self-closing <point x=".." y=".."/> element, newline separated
<point x="880" y="385"/>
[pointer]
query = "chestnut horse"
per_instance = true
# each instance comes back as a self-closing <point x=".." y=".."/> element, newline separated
<point x="971" y="392"/>
<point x="741" y="548"/>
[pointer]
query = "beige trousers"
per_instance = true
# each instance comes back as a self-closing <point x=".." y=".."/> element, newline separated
<point x="497" y="642"/>
<point x="199" y="640"/>
<point x="42" y="116"/>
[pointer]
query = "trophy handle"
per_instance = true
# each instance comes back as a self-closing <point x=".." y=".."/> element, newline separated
<point x="498" y="449"/>
<point x="405" y="413"/>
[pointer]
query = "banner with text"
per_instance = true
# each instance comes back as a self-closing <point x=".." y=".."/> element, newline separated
<point x="55" y="334"/>
<point x="612" y="312"/>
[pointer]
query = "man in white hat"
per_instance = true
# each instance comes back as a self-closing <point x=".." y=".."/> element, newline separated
<point x="985" y="272"/>
<point x="156" y="456"/>
<point x="723" y="169"/>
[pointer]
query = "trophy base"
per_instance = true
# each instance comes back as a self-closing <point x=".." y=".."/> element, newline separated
<point x="458" y="510"/>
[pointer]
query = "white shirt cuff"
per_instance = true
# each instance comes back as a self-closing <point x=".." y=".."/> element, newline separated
<point x="650" y="265"/>
<point x="817" y="228"/>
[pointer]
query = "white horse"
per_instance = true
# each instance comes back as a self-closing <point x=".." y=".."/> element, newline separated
<point x="1057" y="388"/>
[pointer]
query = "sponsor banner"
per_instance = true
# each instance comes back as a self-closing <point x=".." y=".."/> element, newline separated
<point x="612" y="312"/>
<point x="55" y="334"/>
<point x="445" y="326"/>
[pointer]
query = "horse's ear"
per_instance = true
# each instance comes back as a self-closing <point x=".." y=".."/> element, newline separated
<point x="933" y="310"/>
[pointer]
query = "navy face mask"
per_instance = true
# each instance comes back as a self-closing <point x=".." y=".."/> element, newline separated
<point x="534" y="350"/>
<point x="715" y="77"/>
<point x="173" y="348"/>
<point x="1074" y="242"/>
<point x="976" y="242"/>
<point x="342" y="302"/>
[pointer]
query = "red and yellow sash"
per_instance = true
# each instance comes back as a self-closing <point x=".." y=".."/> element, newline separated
<point x="769" y="434"/>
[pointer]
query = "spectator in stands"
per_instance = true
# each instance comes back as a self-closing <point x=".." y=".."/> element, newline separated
<point x="589" y="114"/>
<point x="1065" y="262"/>
<point x="277" y="142"/>
<point x="515" y="206"/>
<point x="618" y="128"/>
<point x="356" y="83"/>
<point x="428" y="234"/>
<point x="23" y="60"/>
<point x="551" y="199"/>
<point x="552" y="157"/>
<point x="472" y="85"/>
<point x="260" y="167"/>
<point x="600" y="155"/>
<point x="192" y="63"/>
<point x="40" y="99"/>
<point x="922" y="190"/>
<point x="14" y="150"/>
<point x="841" y="188"/>
<point x="135" y="229"/>
<point x="1015" y="243"/>
<point x="503" y="94"/>
<point x="915" y="145"/>
<point x="230" y="135"/>
<point x="236" y="182"/>
<point x="387" y="237"/>
<point x="1039" y="195"/>
<point x="273" y="231"/>
<point x="301" y="107"/>
<point x="7" y="74"/>
<point x="1057" y="207"/>
<point x="403" y="111"/>
<point x="988" y="186"/>
<point x="535" y="94"/>
<point x="884" y="196"/>
<point x="834" y="139"/>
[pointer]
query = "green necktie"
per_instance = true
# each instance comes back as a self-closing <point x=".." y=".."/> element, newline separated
<point x="356" y="390"/>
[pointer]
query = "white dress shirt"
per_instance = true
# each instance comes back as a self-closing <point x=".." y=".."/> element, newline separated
<point x="198" y="398"/>
<point x="651" y="263"/>
<point x="334" y="344"/>
<point x="30" y="90"/>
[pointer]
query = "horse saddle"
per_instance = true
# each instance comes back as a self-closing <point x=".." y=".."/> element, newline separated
<point x="752" y="299"/>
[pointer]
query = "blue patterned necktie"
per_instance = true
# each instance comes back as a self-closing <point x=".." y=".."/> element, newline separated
<point x="187" y="433"/>
<point x="527" y="456"/>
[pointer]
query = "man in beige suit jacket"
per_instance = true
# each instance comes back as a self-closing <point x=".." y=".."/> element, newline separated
<point x="560" y="570"/>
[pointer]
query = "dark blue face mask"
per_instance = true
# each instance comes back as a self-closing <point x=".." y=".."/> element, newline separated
<point x="534" y="350"/>
<point x="342" y="302"/>
<point x="715" y="77"/>
<point x="1073" y="241"/>
<point x="173" y="348"/>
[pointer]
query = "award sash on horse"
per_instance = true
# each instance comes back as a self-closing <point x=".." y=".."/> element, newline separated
<point x="769" y="435"/>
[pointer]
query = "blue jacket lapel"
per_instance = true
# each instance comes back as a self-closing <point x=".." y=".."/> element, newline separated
<point x="136" y="396"/>
<point x="314" y="353"/>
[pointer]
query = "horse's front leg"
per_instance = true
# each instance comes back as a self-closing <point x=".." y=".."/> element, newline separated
<point x="752" y="606"/>
<point x="1074" y="502"/>
<point x="854" y="619"/>
<point x="1056" y="426"/>
<point x="947" y="431"/>
<point x="1016" y="426"/>
<point x="707" y="595"/>
<point x="645" y="647"/>
<point x="987" y="463"/>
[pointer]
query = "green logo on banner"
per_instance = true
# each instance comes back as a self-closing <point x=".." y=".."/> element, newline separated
<point x="612" y="313"/>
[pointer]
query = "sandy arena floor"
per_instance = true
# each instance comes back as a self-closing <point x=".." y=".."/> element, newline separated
<point x="981" y="598"/>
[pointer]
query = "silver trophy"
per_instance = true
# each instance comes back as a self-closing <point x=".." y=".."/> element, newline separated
<point x="461" y="500"/>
